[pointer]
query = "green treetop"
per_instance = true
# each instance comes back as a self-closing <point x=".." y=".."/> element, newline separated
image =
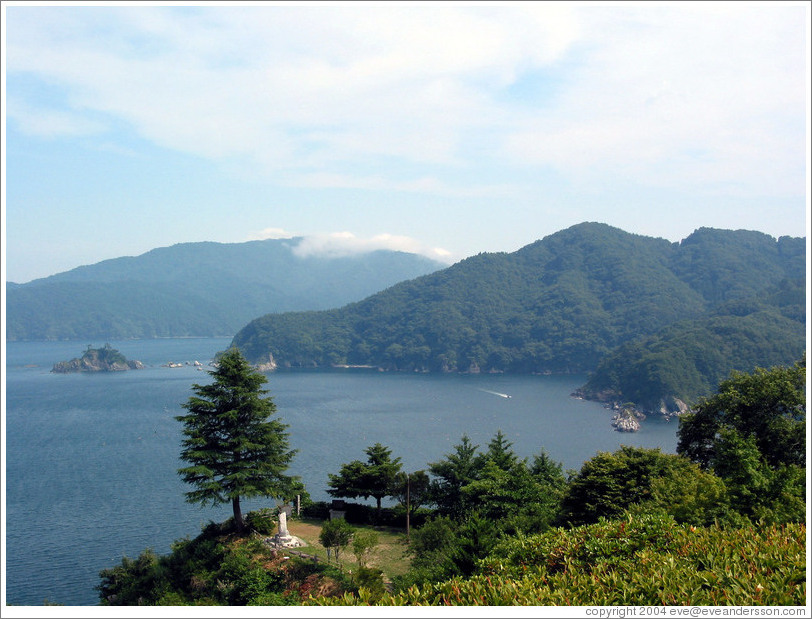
<point x="767" y="406"/>
<point x="374" y="478"/>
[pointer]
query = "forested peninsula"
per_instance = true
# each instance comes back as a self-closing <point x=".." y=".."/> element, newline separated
<point x="655" y="323"/>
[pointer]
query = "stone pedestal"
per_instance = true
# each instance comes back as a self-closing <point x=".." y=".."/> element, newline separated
<point x="283" y="539"/>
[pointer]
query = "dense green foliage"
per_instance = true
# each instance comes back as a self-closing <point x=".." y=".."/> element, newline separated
<point x="752" y="434"/>
<point x="609" y="484"/>
<point x="563" y="304"/>
<point x="768" y="406"/>
<point x="374" y="478"/>
<point x="335" y="536"/>
<point x="640" y="561"/>
<point x="233" y="447"/>
<point x="480" y="498"/>
<point x="496" y="484"/>
<point x="687" y="359"/>
<point x="200" y="289"/>
<point x="215" y="568"/>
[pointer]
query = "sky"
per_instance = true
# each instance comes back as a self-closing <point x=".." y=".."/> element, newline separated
<point x="446" y="129"/>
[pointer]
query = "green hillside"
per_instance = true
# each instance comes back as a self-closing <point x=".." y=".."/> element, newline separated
<point x="196" y="289"/>
<point x="563" y="304"/>
<point x="686" y="359"/>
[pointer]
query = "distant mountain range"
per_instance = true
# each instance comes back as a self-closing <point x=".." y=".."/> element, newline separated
<point x="656" y="323"/>
<point x="197" y="289"/>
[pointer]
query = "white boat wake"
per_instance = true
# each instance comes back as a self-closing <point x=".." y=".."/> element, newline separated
<point x="501" y="395"/>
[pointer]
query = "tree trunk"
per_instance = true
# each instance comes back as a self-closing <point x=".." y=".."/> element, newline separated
<point x="238" y="521"/>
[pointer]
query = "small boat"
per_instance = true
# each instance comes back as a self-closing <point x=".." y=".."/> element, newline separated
<point x="501" y="395"/>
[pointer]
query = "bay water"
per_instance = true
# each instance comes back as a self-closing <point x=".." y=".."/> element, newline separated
<point x="91" y="459"/>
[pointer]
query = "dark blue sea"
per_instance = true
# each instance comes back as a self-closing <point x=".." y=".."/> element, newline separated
<point x="91" y="459"/>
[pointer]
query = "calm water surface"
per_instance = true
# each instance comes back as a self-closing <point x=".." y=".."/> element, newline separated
<point x="91" y="459"/>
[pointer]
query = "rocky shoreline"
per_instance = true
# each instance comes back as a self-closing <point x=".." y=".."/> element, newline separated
<point x="627" y="417"/>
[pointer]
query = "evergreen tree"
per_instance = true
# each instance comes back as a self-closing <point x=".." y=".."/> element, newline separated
<point x="500" y="452"/>
<point x="374" y="478"/>
<point x="548" y="471"/>
<point x="456" y="470"/>
<point x="233" y="447"/>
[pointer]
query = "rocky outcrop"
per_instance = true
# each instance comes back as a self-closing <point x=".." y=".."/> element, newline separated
<point x="627" y="419"/>
<point x="628" y="416"/>
<point x="105" y="359"/>
<point x="674" y="407"/>
<point x="267" y="366"/>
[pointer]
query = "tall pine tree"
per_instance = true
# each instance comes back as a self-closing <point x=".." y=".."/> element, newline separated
<point x="233" y="447"/>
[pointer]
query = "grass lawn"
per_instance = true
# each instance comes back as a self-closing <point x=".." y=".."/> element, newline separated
<point x="388" y="556"/>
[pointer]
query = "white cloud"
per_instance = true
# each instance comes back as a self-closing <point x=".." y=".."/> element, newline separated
<point x="50" y="123"/>
<point x="338" y="244"/>
<point x="270" y="233"/>
<point x="283" y="84"/>
<point x="671" y="97"/>
<point x="381" y="97"/>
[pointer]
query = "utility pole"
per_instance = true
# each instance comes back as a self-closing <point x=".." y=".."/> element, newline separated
<point x="408" y="506"/>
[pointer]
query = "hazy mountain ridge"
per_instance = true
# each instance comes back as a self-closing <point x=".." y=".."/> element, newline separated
<point x="561" y="304"/>
<point x="196" y="289"/>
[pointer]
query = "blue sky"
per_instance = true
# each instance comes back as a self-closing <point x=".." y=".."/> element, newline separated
<point x="444" y="129"/>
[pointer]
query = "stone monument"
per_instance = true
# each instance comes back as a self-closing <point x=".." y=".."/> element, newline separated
<point x="283" y="539"/>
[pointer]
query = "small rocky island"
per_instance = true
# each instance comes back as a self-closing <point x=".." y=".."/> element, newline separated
<point x="106" y="359"/>
<point x="627" y="418"/>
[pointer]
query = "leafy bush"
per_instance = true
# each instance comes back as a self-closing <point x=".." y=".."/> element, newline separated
<point x="371" y="580"/>
<point x="609" y="483"/>
<point x="335" y="536"/>
<point x="650" y="560"/>
<point x="768" y="406"/>
<point x="318" y="510"/>
<point x="362" y="544"/>
<point x="216" y="568"/>
<point x="263" y="521"/>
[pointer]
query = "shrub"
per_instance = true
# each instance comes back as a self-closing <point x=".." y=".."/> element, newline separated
<point x="609" y="483"/>
<point x="263" y="521"/>
<point x="318" y="510"/>
<point x="362" y="544"/>
<point x="371" y="580"/>
<point x="650" y="560"/>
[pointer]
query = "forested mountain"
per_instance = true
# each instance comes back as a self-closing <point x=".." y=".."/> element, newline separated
<point x="686" y="359"/>
<point x="562" y="304"/>
<point x="196" y="289"/>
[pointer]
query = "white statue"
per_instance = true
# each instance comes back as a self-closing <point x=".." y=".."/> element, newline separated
<point x="283" y="524"/>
